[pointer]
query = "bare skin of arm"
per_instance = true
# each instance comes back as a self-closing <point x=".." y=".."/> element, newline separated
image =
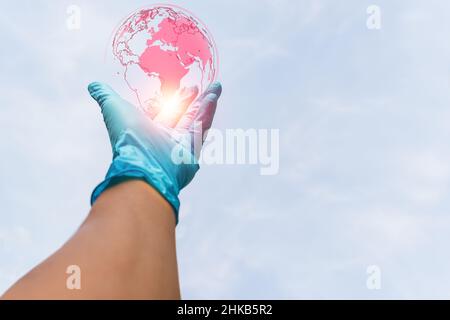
<point x="125" y="250"/>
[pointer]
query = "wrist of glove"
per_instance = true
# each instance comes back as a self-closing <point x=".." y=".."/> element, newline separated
<point x="134" y="160"/>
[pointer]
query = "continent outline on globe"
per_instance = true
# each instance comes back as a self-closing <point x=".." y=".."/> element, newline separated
<point x="170" y="47"/>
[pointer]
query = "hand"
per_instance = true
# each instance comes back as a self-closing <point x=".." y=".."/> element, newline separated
<point x="143" y="147"/>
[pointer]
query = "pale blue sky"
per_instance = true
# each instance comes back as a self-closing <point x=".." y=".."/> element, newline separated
<point x="364" y="135"/>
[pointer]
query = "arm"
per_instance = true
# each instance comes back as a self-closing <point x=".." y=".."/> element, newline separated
<point x="125" y="249"/>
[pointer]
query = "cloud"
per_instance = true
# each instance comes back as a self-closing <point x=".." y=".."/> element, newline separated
<point x="363" y="118"/>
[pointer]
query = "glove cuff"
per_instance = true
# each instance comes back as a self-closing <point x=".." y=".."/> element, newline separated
<point x="134" y="162"/>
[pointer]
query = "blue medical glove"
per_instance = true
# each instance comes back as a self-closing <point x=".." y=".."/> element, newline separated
<point x="143" y="147"/>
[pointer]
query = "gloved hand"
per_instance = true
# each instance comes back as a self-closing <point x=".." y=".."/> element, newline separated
<point x="148" y="149"/>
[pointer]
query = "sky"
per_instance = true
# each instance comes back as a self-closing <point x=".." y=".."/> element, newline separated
<point x="363" y="116"/>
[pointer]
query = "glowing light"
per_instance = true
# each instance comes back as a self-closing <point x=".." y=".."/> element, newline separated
<point x="172" y="104"/>
<point x="170" y="108"/>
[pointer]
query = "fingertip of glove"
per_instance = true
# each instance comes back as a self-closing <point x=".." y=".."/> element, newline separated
<point x="216" y="88"/>
<point x="98" y="87"/>
<point x="100" y="91"/>
<point x="93" y="86"/>
<point x="193" y="91"/>
<point x="189" y="93"/>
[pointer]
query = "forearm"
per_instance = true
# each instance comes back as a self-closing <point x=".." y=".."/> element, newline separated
<point x="134" y="229"/>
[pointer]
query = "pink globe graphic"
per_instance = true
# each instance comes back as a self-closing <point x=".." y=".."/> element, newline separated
<point x="162" y="53"/>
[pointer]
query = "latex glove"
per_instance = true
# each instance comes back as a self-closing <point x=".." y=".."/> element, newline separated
<point x="143" y="147"/>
